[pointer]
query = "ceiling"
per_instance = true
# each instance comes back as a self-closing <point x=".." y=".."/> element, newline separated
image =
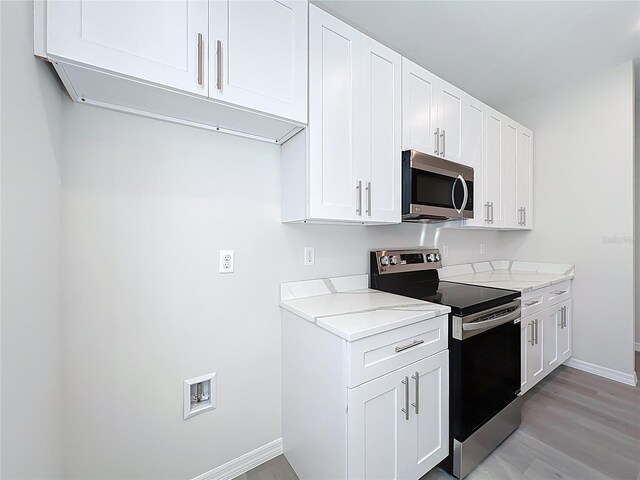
<point x="502" y="52"/>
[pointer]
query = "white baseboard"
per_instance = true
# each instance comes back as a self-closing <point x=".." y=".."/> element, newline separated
<point x="626" y="378"/>
<point x="244" y="463"/>
<point x="637" y="346"/>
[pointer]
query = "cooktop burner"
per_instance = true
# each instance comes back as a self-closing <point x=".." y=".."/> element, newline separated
<point x="414" y="273"/>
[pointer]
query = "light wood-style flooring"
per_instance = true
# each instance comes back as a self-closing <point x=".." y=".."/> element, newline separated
<point x="575" y="426"/>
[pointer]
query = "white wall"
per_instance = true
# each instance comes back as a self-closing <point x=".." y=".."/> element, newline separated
<point x="583" y="174"/>
<point x="147" y="205"/>
<point x="30" y="254"/>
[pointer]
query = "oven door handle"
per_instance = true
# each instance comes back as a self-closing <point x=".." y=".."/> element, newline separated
<point x="494" y="322"/>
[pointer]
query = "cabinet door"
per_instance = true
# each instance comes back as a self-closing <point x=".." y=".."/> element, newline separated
<point x="419" y="108"/>
<point x="258" y="55"/>
<point x="155" y="40"/>
<point x="474" y="154"/>
<point x="429" y="413"/>
<point x="535" y="355"/>
<point x="450" y="113"/>
<point x="493" y="167"/>
<point x="334" y="77"/>
<point x="380" y="119"/>
<point x="378" y="428"/>
<point x="551" y="330"/>
<point x="564" y="332"/>
<point x="524" y="178"/>
<point x="509" y="177"/>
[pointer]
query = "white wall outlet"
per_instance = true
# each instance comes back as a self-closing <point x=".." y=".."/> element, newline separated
<point x="482" y="249"/>
<point x="445" y="251"/>
<point x="309" y="256"/>
<point x="226" y="261"/>
<point x="200" y="395"/>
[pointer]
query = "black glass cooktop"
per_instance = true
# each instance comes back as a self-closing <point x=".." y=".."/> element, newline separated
<point x="463" y="299"/>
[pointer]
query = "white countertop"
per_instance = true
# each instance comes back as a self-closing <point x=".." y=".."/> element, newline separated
<point x="347" y="308"/>
<point x="511" y="275"/>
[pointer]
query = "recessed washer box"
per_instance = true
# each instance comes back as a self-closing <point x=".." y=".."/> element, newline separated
<point x="199" y="395"/>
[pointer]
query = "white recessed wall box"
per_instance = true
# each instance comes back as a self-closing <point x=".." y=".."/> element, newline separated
<point x="199" y="395"/>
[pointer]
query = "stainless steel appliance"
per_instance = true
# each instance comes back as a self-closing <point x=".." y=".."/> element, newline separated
<point x="484" y="351"/>
<point x="434" y="189"/>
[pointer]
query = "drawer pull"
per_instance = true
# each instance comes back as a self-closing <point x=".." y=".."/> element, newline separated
<point x="559" y="292"/>
<point x="532" y="302"/>
<point x="415" y="343"/>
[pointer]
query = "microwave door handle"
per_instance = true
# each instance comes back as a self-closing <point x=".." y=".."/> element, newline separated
<point x="453" y="194"/>
<point x="466" y="193"/>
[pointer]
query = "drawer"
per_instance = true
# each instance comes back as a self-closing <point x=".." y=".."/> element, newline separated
<point x="533" y="302"/>
<point x="379" y="354"/>
<point x="558" y="293"/>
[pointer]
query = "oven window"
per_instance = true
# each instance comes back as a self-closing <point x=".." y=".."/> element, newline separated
<point x="434" y="190"/>
<point x="485" y="375"/>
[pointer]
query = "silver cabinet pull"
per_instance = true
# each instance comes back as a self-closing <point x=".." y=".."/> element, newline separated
<point x="530" y="340"/>
<point x="443" y="137"/>
<point x="486" y="212"/>
<point x="437" y="144"/>
<point x="491" y="212"/>
<point x="524" y="216"/>
<point x="200" y="48"/>
<point x="416" y="404"/>
<point x="536" y="322"/>
<point x="405" y="410"/>
<point x="532" y="302"/>
<point x="559" y="292"/>
<point x="359" y="197"/>
<point x="415" y="343"/>
<point x="520" y="222"/>
<point x="564" y="317"/>
<point x="368" y="189"/>
<point x="219" y="65"/>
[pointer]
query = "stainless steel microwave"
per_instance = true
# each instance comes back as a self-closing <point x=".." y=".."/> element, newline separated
<point x="434" y="189"/>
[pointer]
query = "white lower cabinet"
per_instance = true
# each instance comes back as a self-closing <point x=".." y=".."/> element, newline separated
<point x="546" y="334"/>
<point x="398" y="423"/>
<point x="373" y="408"/>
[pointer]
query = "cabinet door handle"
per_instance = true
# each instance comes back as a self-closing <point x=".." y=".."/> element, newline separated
<point x="200" y="53"/>
<point x="415" y="343"/>
<point x="559" y="292"/>
<point x="368" y="189"/>
<point x="491" y="207"/>
<point x="532" y="302"/>
<point x="359" y="197"/>
<point x="405" y="410"/>
<point x="536" y="331"/>
<point x="436" y="143"/>
<point x="443" y="144"/>
<point x="416" y="405"/>
<point x="219" y="65"/>
<point x="564" y="317"/>
<point x="486" y="212"/>
<point x="524" y="216"/>
<point x="530" y="339"/>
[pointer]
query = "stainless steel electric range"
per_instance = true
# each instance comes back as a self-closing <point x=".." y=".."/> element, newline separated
<point x="484" y="351"/>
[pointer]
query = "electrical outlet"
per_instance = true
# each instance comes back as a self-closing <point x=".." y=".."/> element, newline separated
<point x="226" y="261"/>
<point x="309" y="256"/>
<point x="482" y="250"/>
<point x="445" y="251"/>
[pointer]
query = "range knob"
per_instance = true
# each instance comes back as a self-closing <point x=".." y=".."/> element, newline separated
<point x="437" y="257"/>
<point x="394" y="260"/>
<point x="431" y="257"/>
<point x="384" y="261"/>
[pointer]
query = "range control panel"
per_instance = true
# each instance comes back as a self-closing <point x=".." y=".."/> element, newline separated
<point x="410" y="260"/>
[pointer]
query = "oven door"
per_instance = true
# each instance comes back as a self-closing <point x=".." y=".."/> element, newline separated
<point x="484" y="368"/>
<point x="434" y="188"/>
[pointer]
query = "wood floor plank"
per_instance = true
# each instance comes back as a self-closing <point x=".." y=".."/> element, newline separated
<point x="575" y="426"/>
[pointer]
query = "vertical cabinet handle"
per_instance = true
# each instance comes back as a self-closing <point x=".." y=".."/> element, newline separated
<point x="491" y="212"/>
<point x="416" y="404"/>
<point x="359" y="197"/>
<point x="443" y="146"/>
<point x="219" y="65"/>
<point x="368" y="189"/>
<point x="536" y="331"/>
<point x="524" y="216"/>
<point x="436" y="143"/>
<point x="405" y="410"/>
<point x="530" y="339"/>
<point x="200" y="52"/>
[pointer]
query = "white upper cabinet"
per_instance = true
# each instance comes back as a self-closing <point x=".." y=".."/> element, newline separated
<point x="432" y="113"/>
<point x="334" y="77"/>
<point x="258" y="55"/>
<point x="419" y="109"/>
<point x="381" y="117"/>
<point x="350" y="157"/>
<point x="474" y="154"/>
<point x="509" y="174"/>
<point x="524" y="178"/>
<point x="493" y="167"/>
<point x="158" y="41"/>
